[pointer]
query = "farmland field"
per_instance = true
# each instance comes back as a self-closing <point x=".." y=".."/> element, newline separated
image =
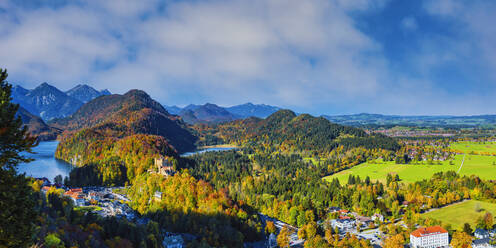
<point x="461" y="213"/>
<point x="482" y="166"/>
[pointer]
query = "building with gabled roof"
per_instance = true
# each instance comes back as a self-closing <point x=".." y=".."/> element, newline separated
<point x="378" y="217"/>
<point x="481" y="233"/>
<point x="429" y="237"/>
<point x="482" y="243"/>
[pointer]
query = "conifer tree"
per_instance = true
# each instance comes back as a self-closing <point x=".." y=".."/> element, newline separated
<point x="16" y="204"/>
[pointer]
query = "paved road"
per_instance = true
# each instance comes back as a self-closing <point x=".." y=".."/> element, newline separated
<point x="463" y="160"/>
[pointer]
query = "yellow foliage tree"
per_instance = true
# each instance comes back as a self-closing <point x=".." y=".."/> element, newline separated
<point x="395" y="241"/>
<point x="461" y="240"/>
<point x="283" y="238"/>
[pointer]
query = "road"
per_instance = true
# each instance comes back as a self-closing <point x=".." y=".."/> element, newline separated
<point x="463" y="160"/>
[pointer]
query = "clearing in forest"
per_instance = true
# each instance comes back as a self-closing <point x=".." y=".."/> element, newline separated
<point x="460" y="213"/>
<point x="482" y="166"/>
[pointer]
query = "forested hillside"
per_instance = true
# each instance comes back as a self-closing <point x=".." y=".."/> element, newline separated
<point x="36" y="126"/>
<point x="132" y="113"/>
<point x="286" y="132"/>
<point x="114" y="138"/>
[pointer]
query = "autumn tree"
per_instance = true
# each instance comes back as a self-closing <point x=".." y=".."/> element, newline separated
<point x="486" y="222"/>
<point x="316" y="242"/>
<point x="467" y="229"/>
<point x="461" y="240"/>
<point x="17" y="213"/>
<point x="395" y="241"/>
<point x="283" y="237"/>
<point x="270" y="227"/>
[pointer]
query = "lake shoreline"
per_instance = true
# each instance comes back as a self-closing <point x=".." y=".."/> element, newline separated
<point x="217" y="148"/>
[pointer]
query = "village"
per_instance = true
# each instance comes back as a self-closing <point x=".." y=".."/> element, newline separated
<point x="105" y="202"/>
<point x="423" y="237"/>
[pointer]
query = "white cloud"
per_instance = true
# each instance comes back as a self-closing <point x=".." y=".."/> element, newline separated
<point x="234" y="47"/>
<point x="302" y="54"/>
<point x="474" y="21"/>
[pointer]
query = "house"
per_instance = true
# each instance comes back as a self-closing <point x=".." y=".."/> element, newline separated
<point x="378" y="217"/>
<point x="158" y="195"/>
<point x="92" y="195"/>
<point x="343" y="223"/>
<point x="45" y="189"/>
<point x="334" y="209"/>
<point x="481" y="233"/>
<point x="429" y="237"/>
<point x="164" y="166"/>
<point x="76" y="190"/>
<point x="365" y="221"/>
<point x="78" y="199"/>
<point x="482" y="243"/>
<point x="76" y="195"/>
<point x="173" y="241"/>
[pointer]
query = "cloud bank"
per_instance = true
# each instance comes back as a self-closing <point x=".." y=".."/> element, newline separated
<point x="311" y="56"/>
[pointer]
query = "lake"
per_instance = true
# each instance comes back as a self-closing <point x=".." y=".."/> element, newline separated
<point x="45" y="164"/>
<point x="210" y="149"/>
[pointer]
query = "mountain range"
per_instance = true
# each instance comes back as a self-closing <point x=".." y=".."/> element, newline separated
<point x="212" y="113"/>
<point x="48" y="102"/>
<point x="85" y="93"/>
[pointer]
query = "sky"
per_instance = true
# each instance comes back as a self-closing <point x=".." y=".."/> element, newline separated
<point x="404" y="57"/>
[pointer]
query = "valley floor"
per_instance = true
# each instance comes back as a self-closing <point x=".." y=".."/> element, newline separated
<point x="482" y="166"/>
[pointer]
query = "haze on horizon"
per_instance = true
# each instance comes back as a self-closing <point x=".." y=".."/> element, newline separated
<point x="321" y="57"/>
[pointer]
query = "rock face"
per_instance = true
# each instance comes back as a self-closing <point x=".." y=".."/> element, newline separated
<point x="85" y="93"/>
<point x="46" y="101"/>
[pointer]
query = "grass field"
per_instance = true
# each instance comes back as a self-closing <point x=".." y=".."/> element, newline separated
<point x="467" y="146"/>
<point x="460" y="213"/>
<point x="481" y="166"/>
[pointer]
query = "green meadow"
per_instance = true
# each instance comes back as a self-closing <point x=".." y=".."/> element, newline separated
<point x="482" y="166"/>
<point x="460" y="213"/>
<point x="468" y="146"/>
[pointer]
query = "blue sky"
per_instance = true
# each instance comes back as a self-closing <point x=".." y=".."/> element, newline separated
<point x="321" y="57"/>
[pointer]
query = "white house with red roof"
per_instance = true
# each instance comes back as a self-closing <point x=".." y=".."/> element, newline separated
<point x="429" y="237"/>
